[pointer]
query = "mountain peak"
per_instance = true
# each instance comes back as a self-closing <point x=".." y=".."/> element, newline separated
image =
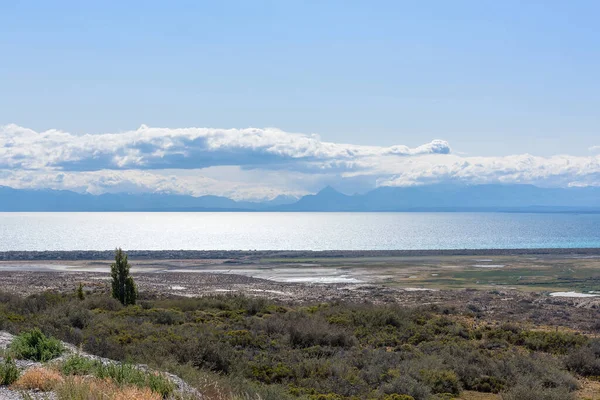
<point x="328" y="190"/>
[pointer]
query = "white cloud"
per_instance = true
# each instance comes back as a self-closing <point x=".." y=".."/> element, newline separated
<point x="159" y="148"/>
<point x="595" y="149"/>
<point x="256" y="163"/>
<point x="135" y="181"/>
<point x="543" y="171"/>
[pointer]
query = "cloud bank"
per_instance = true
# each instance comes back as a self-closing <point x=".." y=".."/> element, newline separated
<point x="136" y="181"/>
<point x="257" y="164"/>
<point x="159" y="148"/>
<point x="556" y="171"/>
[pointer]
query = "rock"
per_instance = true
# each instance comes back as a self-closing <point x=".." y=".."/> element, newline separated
<point x="7" y="394"/>
<point x="5" y="339"/>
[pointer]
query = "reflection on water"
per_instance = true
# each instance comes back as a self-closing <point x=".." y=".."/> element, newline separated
<point x="295" y="231"/>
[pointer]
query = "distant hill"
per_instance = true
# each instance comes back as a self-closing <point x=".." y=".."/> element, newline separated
<point x="454" y="198"/>
<point x="63" y="200"/>
<point x="508" y="198"/>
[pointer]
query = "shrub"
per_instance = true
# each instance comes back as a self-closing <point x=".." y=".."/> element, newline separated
<point x="551" y="342"/>
<point x="312" y="332"/>
<point x="488" y="384"/>
<point x="38" y="378"/>
<point x="536" y="392"/>
<point x="78" y="365"/>
<point x="328" y="396"/>
<point x="407" y="385"/>
<point x="240" y="338"/>
<point x="213" y="355"/>
<point x="271" y="373"/>
<point x="121" y="374"/>
<point x="8" y="371"/>
<point x="585" y="360"/>
<point x="85" y="388"/>
<point x="34" y="345"/>
<point x="167" y="317"/>
<point x="442" y="381"/>
<point x="102" y="303"/>
<point x="252" y="305"/>
<point x="128" y="375"/>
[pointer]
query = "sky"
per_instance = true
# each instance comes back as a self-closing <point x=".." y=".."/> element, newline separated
<point x="255" y="99"/>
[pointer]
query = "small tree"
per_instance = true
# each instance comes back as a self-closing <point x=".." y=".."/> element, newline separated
<point x="123" y="287"/>
<point x="80" y="294"/>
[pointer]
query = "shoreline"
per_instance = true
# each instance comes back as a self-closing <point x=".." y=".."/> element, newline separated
<point x="537" y="270"/>
<point x="75" y="255"/>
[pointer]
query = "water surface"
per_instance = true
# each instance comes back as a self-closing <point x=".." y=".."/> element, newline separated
<point x="295" y="231"/>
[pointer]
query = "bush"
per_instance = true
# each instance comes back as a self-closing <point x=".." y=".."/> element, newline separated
<point x="585" y="360"/>
<point x="128" y="375"/>
<point x="102" y="303"/>
<point x="536" y="392"/>
<point x="213" y="355"/>
<point x="167" y="317"/>
<point x="442" y="381"/>
<point x="77" y="365"/>
<point x="85" y="388"/>
<point x="408" y="386"/>
<point x="34" y="345"/>
<point x="312" y="332"/>
<point x="488" y="384"/>
<point x="328" y="396"/>
<point x="8" y="371"/>
<point x="398" y="397"/>
<point x="121" y="374"/>
<point x="551" y="342"/>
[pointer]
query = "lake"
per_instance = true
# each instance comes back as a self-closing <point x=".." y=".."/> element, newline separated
<point x="295" y="231"/>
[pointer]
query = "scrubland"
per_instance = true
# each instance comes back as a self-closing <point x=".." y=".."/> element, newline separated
<point x="240" y="347"/>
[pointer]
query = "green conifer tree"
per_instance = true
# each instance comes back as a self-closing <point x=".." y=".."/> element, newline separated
<point x="130" y="291"/>
<point x="80" y="294"/>
<point x="123" y="287"/>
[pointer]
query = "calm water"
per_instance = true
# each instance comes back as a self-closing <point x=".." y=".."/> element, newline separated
<point x="294" y="231"/>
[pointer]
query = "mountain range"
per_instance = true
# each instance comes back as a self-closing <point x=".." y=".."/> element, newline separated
<point x="507" y="198"/>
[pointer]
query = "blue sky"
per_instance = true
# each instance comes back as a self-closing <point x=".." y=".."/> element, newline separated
<point x="496" y="80"/>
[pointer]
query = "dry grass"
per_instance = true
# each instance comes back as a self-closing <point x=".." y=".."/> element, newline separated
<point x="213" y="390"/>
<point x="84" y="388"/>
<point x="39" y="378"/>
<point x="590" y="390"/>
<point x="79" y="388"/>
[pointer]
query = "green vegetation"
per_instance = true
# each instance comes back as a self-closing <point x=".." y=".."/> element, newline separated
<point x="34" y="345"/>
<point x="240" y="347"/>
<point x="80" y="294"/>
<point x="122" y="374"/>
<point x="123" y="287"/>
<point x="9" y="372"/>
<point x="73" y="387"/>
